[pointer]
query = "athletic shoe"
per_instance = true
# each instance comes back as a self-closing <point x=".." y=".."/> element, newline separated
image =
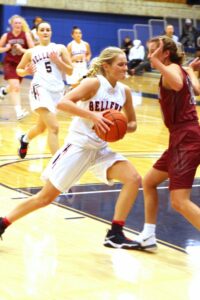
<point x="2" y="228"/>
<point x="147" y="244"/>
<point x="2" y="92"/>
<point x="22" y="151"/>
<point x="22" y="115"/>
<point x="119" y="241"/>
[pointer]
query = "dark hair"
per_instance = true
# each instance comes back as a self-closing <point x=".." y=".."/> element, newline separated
<point x="34" y="20"/>
<point x="176" y="54"/>
<point x="43" y="22"/>
<point x="75" y="28"/>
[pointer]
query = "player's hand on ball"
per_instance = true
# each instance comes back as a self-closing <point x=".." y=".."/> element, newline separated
<point x="101" y="124"/>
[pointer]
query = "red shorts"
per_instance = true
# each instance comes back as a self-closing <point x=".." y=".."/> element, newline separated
<point x="182" y="158"/>
<point x="9" y="69"/>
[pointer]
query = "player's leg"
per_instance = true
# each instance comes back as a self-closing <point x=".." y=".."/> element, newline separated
<point x="150" y="182"/>
<point x="34" y="131"/>
<point x="64" y="169"/>
<point x="15" y="96"/>
<point x="52" y="126"/>
<point x="182" y="173"/>
<point x="180" y="201"/>
<point x="124" y="172"/>
<point x="44" y="197"/>
<point x="147" y="238"/>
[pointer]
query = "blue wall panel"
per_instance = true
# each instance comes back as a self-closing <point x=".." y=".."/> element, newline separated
<point x="100" y="30"/>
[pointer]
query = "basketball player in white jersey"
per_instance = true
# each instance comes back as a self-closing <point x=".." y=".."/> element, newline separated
<point x="47" y="62"/>
<point x="80" y="54"/>
<point x="83" y="149"/>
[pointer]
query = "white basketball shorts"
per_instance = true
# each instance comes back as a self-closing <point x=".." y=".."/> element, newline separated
<point x="40" y="97"/>
<point x="71" y="162"/>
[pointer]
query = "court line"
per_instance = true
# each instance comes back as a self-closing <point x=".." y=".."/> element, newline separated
<point x="172" y="246"/>
<point x="114" y="191"/>
<point x="164" y="243"/>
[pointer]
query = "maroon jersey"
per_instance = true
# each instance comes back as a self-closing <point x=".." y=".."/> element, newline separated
<point x="178" y="108"/>
<point x="13" y="55"/>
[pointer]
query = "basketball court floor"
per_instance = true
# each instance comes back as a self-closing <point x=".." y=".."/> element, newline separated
<point x="57" y="253"/>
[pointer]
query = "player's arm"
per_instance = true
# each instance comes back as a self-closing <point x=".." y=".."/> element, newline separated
<point x="88" y="53"/>
<point x="3" y="46"/>
<point x="63" y="62"/>
<point x="69" y="49"/>
<point x="84" y="91"/>
<point x="172" y="76"/>
<point x="130" y="111"/>
<point x="29" y="40"/>
<point x="25" y="67"/>
<point x="194" y="66"/>
<point x="194" y="80"/>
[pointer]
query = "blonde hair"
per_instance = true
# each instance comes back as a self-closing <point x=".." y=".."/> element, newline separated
<point x="107" y="55"/>
<point x="25" y="26"/>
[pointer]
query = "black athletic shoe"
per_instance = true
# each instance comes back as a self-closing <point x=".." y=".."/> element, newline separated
<point x="22" y="151"/>
<point x="2" y="227"/>
<point x="119" y="241"/>
<point x="2" y="92"/>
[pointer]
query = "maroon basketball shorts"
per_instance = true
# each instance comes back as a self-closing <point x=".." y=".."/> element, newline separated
<point x="9" y="69"/>
<point x="182" y="158"/>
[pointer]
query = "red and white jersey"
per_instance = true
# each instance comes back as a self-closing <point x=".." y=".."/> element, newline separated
<point x="48" y="75"/>
<point x="81" y="131"/>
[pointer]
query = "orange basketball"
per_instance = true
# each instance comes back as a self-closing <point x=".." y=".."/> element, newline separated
<point x="118" y="129"/>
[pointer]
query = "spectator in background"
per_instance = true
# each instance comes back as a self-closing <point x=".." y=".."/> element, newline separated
<point x="35" y="37"/>
<point x="136" y="55"/>
<point x="188" y="34"/>
<point x="169" y="31"/>
<point x="80" y="54"/>
<point x="127" y="44"/>
<point x="144" y="66"/>
<point x="14" y="44"/>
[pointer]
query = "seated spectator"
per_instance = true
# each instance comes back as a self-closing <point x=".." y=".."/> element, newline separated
<point x="188" y="34"/>
<point x="136" y="55"/>
<point x="126" y="45"/>
<point x="169" y="31"/>
<point x="143" y="66"/>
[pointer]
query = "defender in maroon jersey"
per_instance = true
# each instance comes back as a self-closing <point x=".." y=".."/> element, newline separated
<point x="14" y="44"/>
<point x="177" y="89"/>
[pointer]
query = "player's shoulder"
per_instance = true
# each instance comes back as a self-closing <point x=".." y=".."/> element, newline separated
<point x="91" y="81"/>
<point x="85" y="43"/>
<point x="70" y="43"/>
<point x="60" y="47"/>
<point x="5" y="34"/>
<point x="90" y="86"/>
<point x="123" y="86"/>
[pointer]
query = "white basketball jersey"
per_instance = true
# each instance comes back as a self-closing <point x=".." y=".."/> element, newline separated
<point x="78" y="48"/>
<point x="47" y="75"/>
<point x="107" y="97"/>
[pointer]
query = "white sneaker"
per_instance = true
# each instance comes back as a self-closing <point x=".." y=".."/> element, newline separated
<point x="22" y="115"/>
<point x="2" y="92"/>
<point x="147" y="244"/>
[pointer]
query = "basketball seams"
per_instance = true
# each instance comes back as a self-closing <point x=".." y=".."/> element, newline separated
<point x="119" y="127"/>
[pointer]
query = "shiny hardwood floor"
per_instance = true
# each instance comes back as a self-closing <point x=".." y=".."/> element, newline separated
<point x="56" y="253"/>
